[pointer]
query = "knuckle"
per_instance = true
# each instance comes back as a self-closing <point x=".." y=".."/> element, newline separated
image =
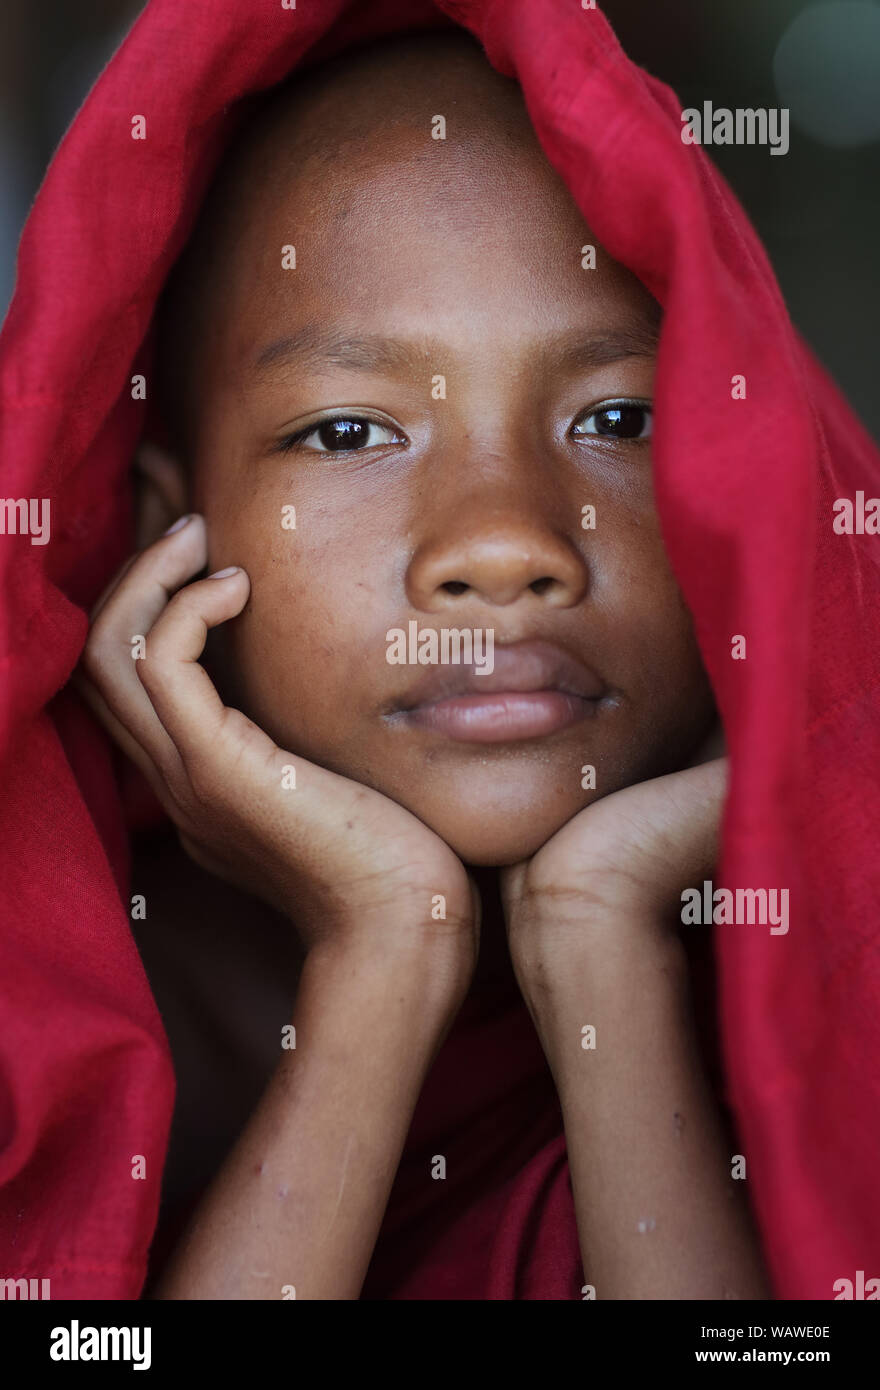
<point x="207" y="788"/>
<point x="184" y="602"/>
<point x="99" y="648"/>
<point x="158" y="652"/>
<point x="149" y="670"/>
<point x="171" y="784"/>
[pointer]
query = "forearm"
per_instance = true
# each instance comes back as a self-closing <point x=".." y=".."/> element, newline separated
<point x="659" y="1215"/>
<point x="301" y="1197"/>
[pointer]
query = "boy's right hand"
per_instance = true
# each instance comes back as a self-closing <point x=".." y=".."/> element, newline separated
<point x="356" y="870"/>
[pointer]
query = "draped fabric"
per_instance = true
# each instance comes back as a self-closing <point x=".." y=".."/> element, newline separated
<point x="745" y="485"/>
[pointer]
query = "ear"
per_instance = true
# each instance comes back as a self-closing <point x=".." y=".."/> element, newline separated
<point x="161" y="492"/>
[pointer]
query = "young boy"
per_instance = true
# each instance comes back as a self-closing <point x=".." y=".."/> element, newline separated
<point x="398" y="404"/>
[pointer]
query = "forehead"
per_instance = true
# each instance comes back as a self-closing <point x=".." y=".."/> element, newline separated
<point x="396" y="232"/>
<point x="403" y="235"/>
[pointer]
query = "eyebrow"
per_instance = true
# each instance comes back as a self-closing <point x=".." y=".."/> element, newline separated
<point x="312" y="346"/>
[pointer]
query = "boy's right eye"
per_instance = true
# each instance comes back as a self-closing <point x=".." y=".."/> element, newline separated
<point x="341" y="434"/>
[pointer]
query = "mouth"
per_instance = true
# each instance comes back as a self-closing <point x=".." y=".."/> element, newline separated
<point x="535" y="689"/>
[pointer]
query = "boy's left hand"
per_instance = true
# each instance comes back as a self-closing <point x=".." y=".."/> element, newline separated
<point x="619" y="864"/>
<point x="591" y="926"/>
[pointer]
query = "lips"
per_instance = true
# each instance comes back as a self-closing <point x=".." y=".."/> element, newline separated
<point x="535" y="689"/>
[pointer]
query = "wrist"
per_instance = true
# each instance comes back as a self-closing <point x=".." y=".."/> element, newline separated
<point x="422" y="984"/>
<point x="565" y="958"/>
<point x="618" y="1017"/>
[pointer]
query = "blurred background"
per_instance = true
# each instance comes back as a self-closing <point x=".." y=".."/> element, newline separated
<point x="817" y="208"/>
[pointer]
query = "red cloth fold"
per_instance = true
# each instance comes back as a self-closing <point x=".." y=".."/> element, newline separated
<point x="745" y="492"/>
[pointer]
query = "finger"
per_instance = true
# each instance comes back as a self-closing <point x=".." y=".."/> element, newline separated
<point x="119" y="636"/>
<point x="112" y="587"/>
<point x="149" y="556"/>
<point x="120" y="574"/>
<point x="180" y="690"/>
<point x="117" y="731"/>
<point x="699" y="790"/>
<point x="701" y="807"/>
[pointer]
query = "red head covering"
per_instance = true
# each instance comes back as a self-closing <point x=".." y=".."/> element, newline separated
<point x="745" y="489"/>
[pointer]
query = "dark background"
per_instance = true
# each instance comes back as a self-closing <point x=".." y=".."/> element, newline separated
<point x="816" y="208"/>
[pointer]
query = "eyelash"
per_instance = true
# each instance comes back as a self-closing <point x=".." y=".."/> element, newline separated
<point x="293" y="441"/>
<point x="615" y="403"/>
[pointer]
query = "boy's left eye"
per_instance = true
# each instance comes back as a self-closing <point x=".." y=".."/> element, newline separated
<point x="616" y="420"/>
<point x="342" y="434"/>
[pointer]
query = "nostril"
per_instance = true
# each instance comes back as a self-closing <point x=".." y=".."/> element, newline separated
<point x="455" y="586"/>
<point x="540" y="586"/>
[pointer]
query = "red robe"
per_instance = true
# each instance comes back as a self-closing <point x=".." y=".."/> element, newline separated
<point x="745" y="490"/>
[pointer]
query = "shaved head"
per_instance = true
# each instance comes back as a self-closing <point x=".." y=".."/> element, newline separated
<point x="350" y="116"/>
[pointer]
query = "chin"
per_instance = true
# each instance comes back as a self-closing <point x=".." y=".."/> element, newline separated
<point x="485" y="838"/>
<point x="493" y="847"/>
<point x="492" y="817"/>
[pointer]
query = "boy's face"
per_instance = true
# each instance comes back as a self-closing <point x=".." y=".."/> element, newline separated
<point x="419" y="259"/>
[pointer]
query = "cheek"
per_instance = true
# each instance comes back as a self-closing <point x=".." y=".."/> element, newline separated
<point x="652" y="645"/>
<point x="301" y="654"/>
<point x="660" y="633"/>
<point x="674" y="702"/>
<point x="295" y="645"/>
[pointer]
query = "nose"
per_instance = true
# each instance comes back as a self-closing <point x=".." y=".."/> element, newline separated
<point x="497" y="559"/>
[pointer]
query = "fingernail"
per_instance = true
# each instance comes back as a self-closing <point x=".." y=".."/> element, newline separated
<point x="178" y="525"/>
<point x="224" y="574"/>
